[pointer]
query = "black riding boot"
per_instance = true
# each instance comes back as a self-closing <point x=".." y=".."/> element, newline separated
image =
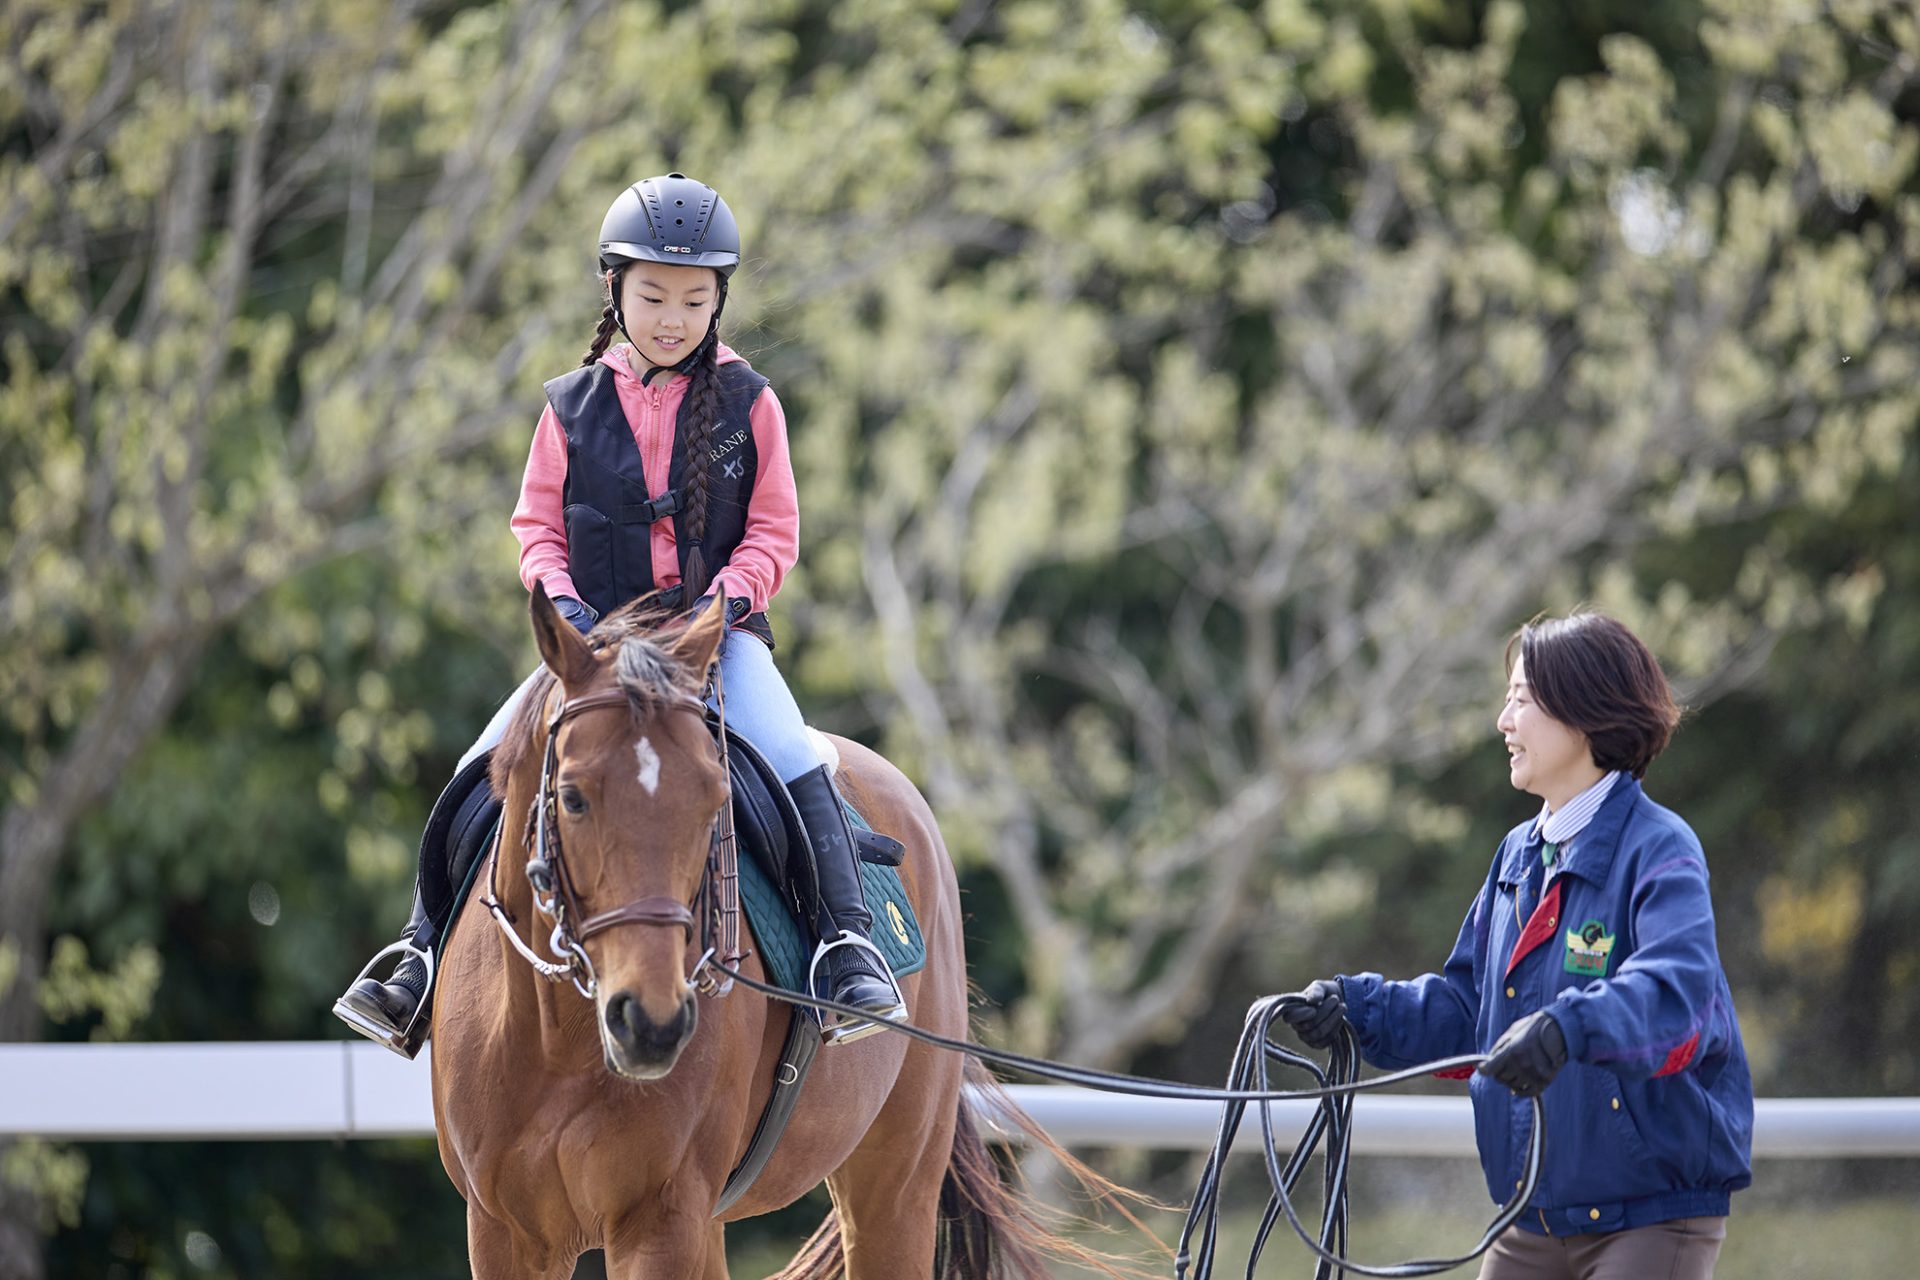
<point x="380" y="1010"/>
<point x="856" y="973"/>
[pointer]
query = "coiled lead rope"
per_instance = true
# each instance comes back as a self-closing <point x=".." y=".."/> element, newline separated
<point x="1332" y="1120"/>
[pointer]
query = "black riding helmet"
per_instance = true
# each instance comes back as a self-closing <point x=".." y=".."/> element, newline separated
<point x="673" y="219"/>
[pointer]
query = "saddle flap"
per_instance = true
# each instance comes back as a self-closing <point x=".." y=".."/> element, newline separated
<point x="462" y="817"/>
<point x="768" y="825"/>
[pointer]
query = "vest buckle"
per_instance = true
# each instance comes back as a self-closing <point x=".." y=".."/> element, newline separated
<point x="659" y="508"/>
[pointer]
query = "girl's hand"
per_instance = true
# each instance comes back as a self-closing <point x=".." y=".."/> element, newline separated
<point x="576" y="612"/>
<point x="737" y="607"/>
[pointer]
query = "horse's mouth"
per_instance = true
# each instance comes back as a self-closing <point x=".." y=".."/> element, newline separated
<point x="638" y="1072"/>
<point x="636" y="1048"/>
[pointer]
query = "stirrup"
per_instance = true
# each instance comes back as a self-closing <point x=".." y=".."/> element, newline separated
<point x="840" y="1028"/>
<point x="407" y="1040"/>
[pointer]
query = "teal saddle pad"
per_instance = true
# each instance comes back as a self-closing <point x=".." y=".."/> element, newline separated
<point x="786" y="946"/>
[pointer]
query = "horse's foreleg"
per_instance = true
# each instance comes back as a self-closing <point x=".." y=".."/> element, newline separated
<point x="680" y="1250"/>
<point x="496" y="1251"/>
<point x="716" y="1253"/>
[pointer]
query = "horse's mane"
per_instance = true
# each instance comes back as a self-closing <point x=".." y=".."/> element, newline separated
<point x="641" y="635"/>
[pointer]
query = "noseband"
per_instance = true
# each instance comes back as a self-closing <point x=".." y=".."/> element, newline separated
<point x="555" y="897"/>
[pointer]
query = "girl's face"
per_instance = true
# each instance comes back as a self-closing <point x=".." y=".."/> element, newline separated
<point x="1548" y="758"/>
<point x="667" y="308"/>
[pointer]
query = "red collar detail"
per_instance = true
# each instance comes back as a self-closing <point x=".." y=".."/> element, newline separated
<point x="1540" y="929"/>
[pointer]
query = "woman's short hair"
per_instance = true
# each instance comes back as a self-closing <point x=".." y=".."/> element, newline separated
<point x="1593" y="675"/>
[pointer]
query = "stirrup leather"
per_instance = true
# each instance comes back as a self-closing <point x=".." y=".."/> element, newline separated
<point x="839" y="1028"/>
<point x="403" y="1041"/>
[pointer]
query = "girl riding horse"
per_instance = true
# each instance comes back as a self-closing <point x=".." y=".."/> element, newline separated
<point x="661" y="465"/>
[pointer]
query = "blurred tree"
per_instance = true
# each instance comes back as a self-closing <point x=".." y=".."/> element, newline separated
<point x="1819" y="866"/>
<point x="244" y="891"/>
<point x="1187" y="398"/>
<point x="1225" y="497"/>
<point x="258" y="302"/>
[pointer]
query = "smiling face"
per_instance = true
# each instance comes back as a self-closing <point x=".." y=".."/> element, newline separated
<point x="1547" y="758"/>
<point x="667" y="308"/>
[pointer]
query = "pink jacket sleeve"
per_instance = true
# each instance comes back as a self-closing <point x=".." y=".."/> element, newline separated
<point x="772" y="540"/>
<point x="539" y="521"/>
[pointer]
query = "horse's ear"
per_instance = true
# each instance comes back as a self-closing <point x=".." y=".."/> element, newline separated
<point x="563" y="649"/>
<point x="696" y="647"/>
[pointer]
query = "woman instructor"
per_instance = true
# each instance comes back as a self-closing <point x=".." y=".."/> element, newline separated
<point x="1587" y="970"/>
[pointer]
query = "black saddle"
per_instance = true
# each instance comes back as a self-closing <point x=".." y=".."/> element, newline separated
<point x="456" y="837"/>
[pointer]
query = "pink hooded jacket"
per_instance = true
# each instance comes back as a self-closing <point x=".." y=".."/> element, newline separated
<point x="772" y="542"/>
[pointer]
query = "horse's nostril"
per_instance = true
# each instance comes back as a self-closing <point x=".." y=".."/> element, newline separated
<point x="630" y="1027"/>
<point x="620" y="1015"/>
<point x="689" y="1015"/>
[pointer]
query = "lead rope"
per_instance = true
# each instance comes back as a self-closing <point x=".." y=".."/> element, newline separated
<point x="1333" y="1120"/>
<point x="1248" y="1082"/>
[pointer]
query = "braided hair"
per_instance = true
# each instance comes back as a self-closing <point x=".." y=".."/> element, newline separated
<point x="703" y="402"/>
<point x="609" y="322"/>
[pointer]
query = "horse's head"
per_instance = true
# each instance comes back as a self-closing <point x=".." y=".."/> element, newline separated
<point x="634" y="784"/>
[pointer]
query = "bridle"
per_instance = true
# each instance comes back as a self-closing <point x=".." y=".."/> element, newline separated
<point x="717" y="900"/>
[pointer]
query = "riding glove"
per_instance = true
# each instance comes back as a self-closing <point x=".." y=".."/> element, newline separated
<point x="576" y="612"/>
<point x="1317" y="1014"/>
<point x="1529" y="1055"/>
<point x="737" y="607"/>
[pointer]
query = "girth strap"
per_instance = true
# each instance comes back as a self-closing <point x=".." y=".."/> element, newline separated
<point x="796" y="1060"/>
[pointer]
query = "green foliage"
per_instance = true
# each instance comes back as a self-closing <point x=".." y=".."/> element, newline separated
<point x="55" y="1175"/>
<point x="72" y="989"/>
<point x="1187" y="398"/>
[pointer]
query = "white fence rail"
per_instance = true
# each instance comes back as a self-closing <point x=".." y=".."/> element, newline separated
<point x="342" y="1089"/>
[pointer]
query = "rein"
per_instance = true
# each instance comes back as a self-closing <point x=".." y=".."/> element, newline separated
<point x="718" y="898"/>
<point x="1248" y="1082"/>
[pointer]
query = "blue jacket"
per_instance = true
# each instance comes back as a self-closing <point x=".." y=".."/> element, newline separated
<point x="1652" y="1118"/>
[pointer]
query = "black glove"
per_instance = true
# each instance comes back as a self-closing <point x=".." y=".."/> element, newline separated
<point x="1529" y="1055"/>
<point x="737" y="607"/>
<point x="1317" y="1014"/>
<point x="576" y="612"/>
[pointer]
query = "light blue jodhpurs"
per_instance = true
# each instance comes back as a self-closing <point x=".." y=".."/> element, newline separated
<point x="760" y="708"/>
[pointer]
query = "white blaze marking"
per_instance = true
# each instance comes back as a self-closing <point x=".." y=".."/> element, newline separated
<point x="649" y="765"/>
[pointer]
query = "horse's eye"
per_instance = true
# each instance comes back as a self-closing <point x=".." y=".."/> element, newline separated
<point x="572" y="801"/>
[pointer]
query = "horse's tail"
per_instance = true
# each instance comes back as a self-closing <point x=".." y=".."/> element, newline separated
<point x="990" y="1227"/>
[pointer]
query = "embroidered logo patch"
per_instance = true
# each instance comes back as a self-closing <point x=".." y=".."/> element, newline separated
<point x="1588" y="949"/>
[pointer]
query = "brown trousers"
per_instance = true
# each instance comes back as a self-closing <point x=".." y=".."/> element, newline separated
<point x="1683" y="1249"/>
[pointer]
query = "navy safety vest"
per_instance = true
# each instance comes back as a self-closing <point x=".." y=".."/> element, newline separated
<point x="608" y="513"/>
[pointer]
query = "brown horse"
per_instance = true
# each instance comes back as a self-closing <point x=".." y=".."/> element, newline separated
<point x="569" y="1124"/>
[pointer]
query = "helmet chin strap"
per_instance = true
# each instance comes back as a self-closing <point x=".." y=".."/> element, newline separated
<point x="687" y="361"/>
